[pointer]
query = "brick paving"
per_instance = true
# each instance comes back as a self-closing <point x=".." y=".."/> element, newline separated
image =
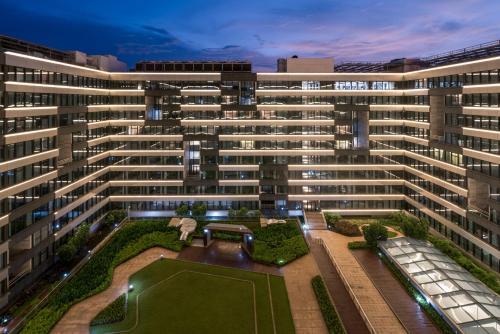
<point x="405" y="307"/>
<point x="306" y="314"/>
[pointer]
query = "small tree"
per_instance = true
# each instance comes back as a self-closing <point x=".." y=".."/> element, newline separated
<point x="66" y="252"/>
<point x="114" y="217"/>
<point x="81" y="236"/>
<point x="182" y="210"/>
<point x="374" y="233"/>
<point x="414" y="228"/>
<point x="243" y="212"/>
<point x="199" y="210"/>
<point x="332" y="219"/>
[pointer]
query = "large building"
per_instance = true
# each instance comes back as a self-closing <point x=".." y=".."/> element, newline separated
<point x="76" y="141"/>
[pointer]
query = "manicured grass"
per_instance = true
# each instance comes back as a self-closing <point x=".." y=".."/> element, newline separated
<point x="173" y="296"/>
<point x="96" y="274"/>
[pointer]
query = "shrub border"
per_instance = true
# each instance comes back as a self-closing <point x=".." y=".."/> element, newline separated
<point x="330" y="315"/>
<point x="102" y="318"/>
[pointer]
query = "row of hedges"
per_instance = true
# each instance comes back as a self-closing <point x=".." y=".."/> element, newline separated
<point x="358" y="245"/>
<point x="328" y="311"/>
<point x="114" y="312"/>
<point x="97" y="273"/>
<point x="431" y="312"/>
<point x="449" y="248"/>
<point x="279" y="244"/>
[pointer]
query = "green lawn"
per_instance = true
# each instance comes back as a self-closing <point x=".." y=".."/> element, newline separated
<point x="175" y="296"/>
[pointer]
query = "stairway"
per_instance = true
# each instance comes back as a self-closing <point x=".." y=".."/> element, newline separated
<point x="315" y="220"/>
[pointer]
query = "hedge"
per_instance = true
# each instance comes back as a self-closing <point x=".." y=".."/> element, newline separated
<point x="358" y="245"/>
<point x="431" y="312"/>
<point x="328" y="311"/>
<point x="96" y="274"/>
<point x="449" y="248"/>
<point x="279" y="244"/>
<point x="114" y="312"/>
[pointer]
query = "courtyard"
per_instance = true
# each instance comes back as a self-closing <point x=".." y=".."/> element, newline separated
<point x="185" y="297"/>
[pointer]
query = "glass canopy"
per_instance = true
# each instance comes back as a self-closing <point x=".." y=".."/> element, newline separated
<point x="467" y="303"/>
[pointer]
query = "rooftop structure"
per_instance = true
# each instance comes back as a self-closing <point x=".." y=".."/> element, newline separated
<point x="475" y="52"/>
<point x="466" y="302"/>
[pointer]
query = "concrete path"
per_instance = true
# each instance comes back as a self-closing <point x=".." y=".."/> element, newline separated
<point x="79" y="316"/>
<point x="373" y="308"/>
<point x="346" y="309"/>
<point x="305" y="309"/>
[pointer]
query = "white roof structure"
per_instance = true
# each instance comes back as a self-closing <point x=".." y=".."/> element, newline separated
<point x="467" y="303"/>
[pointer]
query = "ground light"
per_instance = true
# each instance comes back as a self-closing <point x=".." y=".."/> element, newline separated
<point x="65" y="275"/>
<point x="131" y="287"/>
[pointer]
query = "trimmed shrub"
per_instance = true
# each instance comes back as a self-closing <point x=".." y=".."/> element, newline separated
<point x="358" y="245"/>
<point x="114" y="312"/>
<point x="412" y="227"/>
<point x="328" y="311"/>
<point x="374" y="233"/>
<point x="449" y="248"/>
<point x="346" y="228"/>
<point x="97" y="273"/>
<point x="199" y="210"/>
<point x="182" y="210"/>
<point x="331" y="218"/>
<point x="114" y="217"/>
<point x="279" y="244"/>
<point x="68" y="251"/>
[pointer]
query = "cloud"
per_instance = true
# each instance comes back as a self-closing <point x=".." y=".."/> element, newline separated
<point x="264" y="31"/>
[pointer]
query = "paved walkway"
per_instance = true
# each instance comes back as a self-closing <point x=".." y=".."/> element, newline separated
<point x="405" y="307"/>
<point x="373" y="307"/>
<point x="346" y="309"/>
<point x="227" y="254"/>
<point x="79" y="316"/>
<point x="306" y="314"/>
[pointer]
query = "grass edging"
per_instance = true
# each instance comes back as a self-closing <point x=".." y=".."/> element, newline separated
<point x="96" y="275"/>
<point x="417" y="296"/>
<point x="328" y="311"/>
<point x="114" y="312"/>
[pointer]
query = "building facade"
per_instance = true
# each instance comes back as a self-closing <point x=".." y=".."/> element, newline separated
<point x="76" y="141"/>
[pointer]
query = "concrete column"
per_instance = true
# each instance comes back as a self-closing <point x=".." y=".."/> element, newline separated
<point x="436" y="117"/>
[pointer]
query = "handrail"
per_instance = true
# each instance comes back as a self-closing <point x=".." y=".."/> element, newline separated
<point x="370" y="326"/>
<point x="19" y="325"/>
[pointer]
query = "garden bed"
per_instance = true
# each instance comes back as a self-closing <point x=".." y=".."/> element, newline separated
<point x="279" y="244"/>
<point x="96" y="274"/>
<point x="328" y="311"/>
